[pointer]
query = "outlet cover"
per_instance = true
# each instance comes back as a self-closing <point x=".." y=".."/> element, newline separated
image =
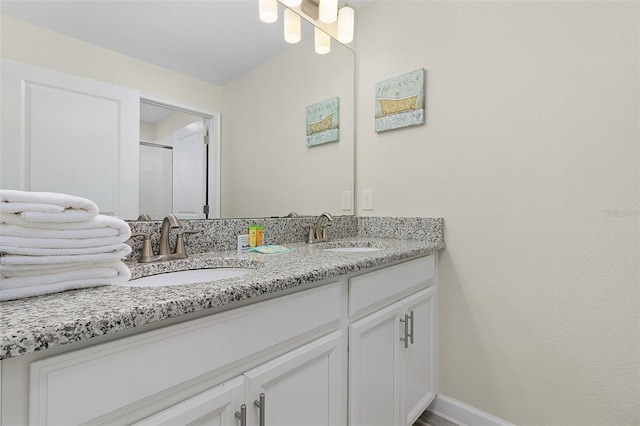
<point x="346" y="200"/>
<point x="367" y="199"/>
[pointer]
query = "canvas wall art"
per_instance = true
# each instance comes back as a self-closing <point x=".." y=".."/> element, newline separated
<point x="400" y="101"/>
<point x="323" y="122"/>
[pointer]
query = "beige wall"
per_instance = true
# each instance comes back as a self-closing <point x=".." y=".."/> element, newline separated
<point x="38" y="46"/>
<point x="530" y="153"/>
<point x="267" y="168"/>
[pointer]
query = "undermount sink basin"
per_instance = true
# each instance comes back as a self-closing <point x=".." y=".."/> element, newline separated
<point x="187" y="277"/>
<point x="352" y="249"/>
<point x="355" y="246"/>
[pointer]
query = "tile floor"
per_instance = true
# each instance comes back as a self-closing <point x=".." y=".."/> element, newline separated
<point x="430" y="419"/>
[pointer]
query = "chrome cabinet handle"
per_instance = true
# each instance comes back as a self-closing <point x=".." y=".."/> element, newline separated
<point x="260" y="405"/>
<point x="405" y="339"/>
<point x="410" y="317"/>
<point x="242" y="415"/>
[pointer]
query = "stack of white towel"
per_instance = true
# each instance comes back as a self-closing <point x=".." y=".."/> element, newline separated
<point x="52" y="242"/>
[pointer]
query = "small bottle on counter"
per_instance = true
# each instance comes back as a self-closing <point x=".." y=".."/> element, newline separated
<point x="256" y="235"/>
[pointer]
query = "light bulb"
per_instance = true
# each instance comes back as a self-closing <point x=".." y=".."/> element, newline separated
<point x="268" y="10"/>
<point x="328" y="11"/>
<point x="292" y="3"/>
<point x="322" y="42"/>
<point x="292" y="33"/>
<point x="345" y="24"/>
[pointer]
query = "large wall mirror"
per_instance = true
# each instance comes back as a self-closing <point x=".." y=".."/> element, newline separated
<point x="263" y="165"/>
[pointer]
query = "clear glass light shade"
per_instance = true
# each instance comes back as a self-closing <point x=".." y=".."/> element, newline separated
<point x="346" y="18"/>
<point x="292" y="33"/>
<point x="268" y="10"/>
<point x="328" y="11"/>
<point x="322" y="42"/>
<point x="292" y="3"/>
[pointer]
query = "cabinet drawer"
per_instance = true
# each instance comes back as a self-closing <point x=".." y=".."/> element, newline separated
<point x="376" y="289"/>
<point x="79" y="386"/>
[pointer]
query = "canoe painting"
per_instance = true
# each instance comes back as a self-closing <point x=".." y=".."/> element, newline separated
<point x="400" y="101"/>
<point x="323" y="122"/>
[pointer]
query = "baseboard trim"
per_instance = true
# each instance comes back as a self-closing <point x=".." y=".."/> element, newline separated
<point x="463" y="414"/>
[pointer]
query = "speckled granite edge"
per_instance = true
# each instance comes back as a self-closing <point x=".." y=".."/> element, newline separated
<point x="38" y="323"/>
<point x="222" y="234"/>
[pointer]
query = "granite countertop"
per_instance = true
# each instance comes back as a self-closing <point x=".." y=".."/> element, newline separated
<point x="35" y="324"/>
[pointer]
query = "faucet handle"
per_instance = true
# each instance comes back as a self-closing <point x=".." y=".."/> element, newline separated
<point x="309" y="228"/>
<point x="147" y="252"/>
<point x="180" y="246"/>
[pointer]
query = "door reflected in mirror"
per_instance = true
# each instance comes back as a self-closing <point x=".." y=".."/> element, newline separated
<point x="173" y="167"/>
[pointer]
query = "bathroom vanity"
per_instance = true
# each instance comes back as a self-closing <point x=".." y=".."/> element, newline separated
<point x="311" y="337"/>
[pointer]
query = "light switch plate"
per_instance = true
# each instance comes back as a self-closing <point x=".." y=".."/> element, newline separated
<point x="346" y="200"/>
<point x="367" y="199"/>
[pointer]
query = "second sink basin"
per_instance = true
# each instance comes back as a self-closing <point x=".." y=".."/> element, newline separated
<point x="353" y="246"/>
<point x="352" y="249"/>
<point x="187" y="277"/>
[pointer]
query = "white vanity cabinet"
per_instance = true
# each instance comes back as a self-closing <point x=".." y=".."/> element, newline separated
<point x="302" y="387"/>
<point x="392" y="351"/>
<point x="357" y="350"/>
<point x="213" y="407"/>
<point x="277" y="347"/>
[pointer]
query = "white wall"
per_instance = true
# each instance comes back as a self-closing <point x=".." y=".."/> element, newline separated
<point x="172" y="123"/>
<point x="530" y="153"/>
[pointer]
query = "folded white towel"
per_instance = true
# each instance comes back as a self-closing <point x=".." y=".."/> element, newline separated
<point x="15" y="259"/>
<point x="99" y="226"/>
<point x="107" y="274"/>
<point x="9" y="244"/>
<point x="61" y="250"/>
<point x="10" y="271"/>
<point x="47" y="206"/>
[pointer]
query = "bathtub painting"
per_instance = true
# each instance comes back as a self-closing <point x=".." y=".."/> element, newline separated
<point x="400" y="101"/>
<point x="323" y="122"/>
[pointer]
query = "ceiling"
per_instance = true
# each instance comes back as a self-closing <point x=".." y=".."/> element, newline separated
<point x="213" y="40"/>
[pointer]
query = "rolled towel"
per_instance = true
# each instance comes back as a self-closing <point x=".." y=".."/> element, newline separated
<point x="119" y="253"/>
<point x="100" y="226"/>
<point x="47" y="206"/>
<point x="100" y="275"/>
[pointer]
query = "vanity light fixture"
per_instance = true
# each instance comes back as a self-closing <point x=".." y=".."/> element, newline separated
<point x="328" y="11"/>
<point x="346" y="18"/>
<point x="322" y="42"/>
<point x="268" y="10"/>
<point x="292" y="31"/>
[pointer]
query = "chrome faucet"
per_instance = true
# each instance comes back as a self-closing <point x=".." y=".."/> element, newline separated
<point x="318" y="232"/>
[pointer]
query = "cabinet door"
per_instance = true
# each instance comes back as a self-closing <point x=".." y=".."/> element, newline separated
<point x="375" y="367"/>
<point x="419" y="359"/>
<point x="215" y="407"/>
<point x="302" y="387"/>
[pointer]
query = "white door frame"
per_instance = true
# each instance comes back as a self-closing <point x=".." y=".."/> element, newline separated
<point x="214" y="144"/>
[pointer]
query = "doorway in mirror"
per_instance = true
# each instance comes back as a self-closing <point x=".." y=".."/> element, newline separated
<point x="176" y="172"/>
